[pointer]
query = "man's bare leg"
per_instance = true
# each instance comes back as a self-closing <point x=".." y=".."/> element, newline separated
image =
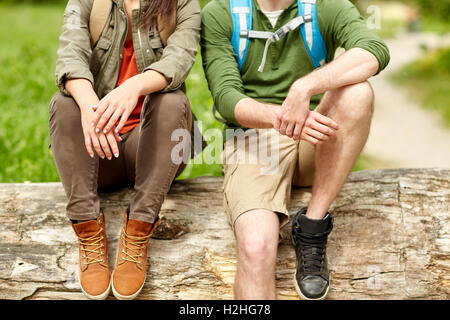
<point x="257" y="233"/>
<point x="352" y="108"/>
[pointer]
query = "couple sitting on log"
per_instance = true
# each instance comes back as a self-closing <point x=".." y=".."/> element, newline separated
<point x="272" y="73"/>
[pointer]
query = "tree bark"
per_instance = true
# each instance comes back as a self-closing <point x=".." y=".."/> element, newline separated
<point x="391" y="240"/>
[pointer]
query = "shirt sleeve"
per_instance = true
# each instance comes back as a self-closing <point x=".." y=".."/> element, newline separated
<point x="75" y="47"/>
<point x="348" y="29"/>
<point x="182" y="45"/>
<point x="219" y="60"/>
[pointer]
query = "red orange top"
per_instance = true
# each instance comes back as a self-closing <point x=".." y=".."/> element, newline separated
<point x="128" y="69"/>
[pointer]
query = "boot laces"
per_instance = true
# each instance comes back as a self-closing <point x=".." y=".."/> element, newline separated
<point x="132" y="248"/>
<point x="312" y="250"/>
<point x="92" y="255"/>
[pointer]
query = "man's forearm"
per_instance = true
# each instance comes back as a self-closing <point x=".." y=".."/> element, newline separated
<point x="354" y="66"/>
<point x="253" y="114"/>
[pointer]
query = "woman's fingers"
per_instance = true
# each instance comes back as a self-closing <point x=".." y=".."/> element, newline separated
<point x="112" y="121"/>
<point x="117" y="136"/>
<point x="123" y="120"/>
<point x="104" y="118"/>
<point x="96" y="144"/>
<point x="100" y="109"/>
<point x="88" y="144"/>
<point x="113" y="144"/>
<point x="105" y="145"/>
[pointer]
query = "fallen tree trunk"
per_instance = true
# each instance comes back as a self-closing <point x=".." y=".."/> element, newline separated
<point x="391" y="240"/>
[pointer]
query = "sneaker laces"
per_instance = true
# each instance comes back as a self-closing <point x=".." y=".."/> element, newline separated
<point x="93" y="255"/>
<point x="133" y="246"/>
<point x="312" y="249"/>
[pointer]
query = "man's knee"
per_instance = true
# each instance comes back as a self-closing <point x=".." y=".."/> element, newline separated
<point x="257" y="249"/>
<point x="356" y="101"/>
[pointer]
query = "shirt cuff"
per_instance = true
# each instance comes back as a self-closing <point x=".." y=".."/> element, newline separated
<point x="227" y="103"/>
<point x="72" y="73"/>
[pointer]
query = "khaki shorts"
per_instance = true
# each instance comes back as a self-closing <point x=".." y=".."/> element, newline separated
<point x="260" y="166"/>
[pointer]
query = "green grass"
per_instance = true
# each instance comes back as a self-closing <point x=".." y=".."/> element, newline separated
<point x="29" y="40"/>
<point x="432" y="75"/>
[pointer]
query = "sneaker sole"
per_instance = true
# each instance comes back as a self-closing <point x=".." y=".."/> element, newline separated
<point x="123" y="297"/>
<point x="299" y="292"/>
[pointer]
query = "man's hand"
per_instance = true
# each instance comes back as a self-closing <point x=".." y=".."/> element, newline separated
<point x="119" y="103"/>
<point x="103" y="144"/>
<point x="296" y="121"/>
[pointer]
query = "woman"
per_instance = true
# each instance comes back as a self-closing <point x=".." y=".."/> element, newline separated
<point x="121" y="96"/>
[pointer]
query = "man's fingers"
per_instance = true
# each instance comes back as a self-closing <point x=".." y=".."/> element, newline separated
<point x="105" y="146"/>
<point x="325" y="120"/>
<point x="320" y="128"/>
<point x="297" y="132"/>
<point x="290" y="129"/>
<point x="113" y="144"/>
<point x="310" y="139"/>
<point x="316" y="134"/>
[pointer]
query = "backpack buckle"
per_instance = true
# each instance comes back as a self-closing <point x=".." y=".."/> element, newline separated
<point x="307" y="18"/>
<point x="277" y="35"/>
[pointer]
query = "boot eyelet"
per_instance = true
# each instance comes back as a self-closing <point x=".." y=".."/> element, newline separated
<point x="103" y="260"/>
<point x="122" y="258"/>
<point x="103" y="252"/>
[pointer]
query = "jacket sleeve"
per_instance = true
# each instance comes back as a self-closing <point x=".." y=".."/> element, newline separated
<point x="182" y="45"/>
<point x="219" y="60"/>
<point x="75" y="48"/>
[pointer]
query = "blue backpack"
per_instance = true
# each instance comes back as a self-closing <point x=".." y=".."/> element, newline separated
<point x="241" y="13"/>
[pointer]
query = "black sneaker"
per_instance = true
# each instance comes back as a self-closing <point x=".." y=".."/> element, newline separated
<point x="312" y="278"/>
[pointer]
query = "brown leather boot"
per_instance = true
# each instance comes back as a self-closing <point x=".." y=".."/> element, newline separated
<point x="131" y="266"/>
<point x="95" y="277"/>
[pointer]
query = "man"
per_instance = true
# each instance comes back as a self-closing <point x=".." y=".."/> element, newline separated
<point x="273" y="89"/>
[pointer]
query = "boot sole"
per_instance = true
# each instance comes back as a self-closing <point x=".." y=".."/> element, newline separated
<point x="101" y="296"/>
<point x="123" y="297"/>
<point x="299" y="292"/>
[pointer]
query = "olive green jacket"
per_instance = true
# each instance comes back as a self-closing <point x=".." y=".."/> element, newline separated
<point x="170" y="52"/>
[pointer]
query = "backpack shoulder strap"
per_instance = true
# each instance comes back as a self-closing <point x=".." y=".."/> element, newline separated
<point x="241" y="14"/>
<point x="99" y="14"/>
<point x="314" y="43"/>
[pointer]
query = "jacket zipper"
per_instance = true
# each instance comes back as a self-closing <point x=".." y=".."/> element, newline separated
<point x="139" y="37"/>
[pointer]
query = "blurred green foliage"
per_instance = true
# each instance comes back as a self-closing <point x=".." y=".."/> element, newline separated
<point x="432" y="75"/>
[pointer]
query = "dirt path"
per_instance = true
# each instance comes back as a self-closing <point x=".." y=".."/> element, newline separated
<point x="403" y="133"/>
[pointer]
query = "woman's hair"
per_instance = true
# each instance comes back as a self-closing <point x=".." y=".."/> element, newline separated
<point x="155" y="9"/>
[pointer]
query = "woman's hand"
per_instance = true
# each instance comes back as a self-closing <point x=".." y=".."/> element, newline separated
<point x="119" y="103"/>
<point x="103" y="144"/>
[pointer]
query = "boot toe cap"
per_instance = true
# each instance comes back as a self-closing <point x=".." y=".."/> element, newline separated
<point x="313" y="287"/>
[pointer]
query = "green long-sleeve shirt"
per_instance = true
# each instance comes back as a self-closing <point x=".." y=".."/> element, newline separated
<point x="340" y="24"/>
